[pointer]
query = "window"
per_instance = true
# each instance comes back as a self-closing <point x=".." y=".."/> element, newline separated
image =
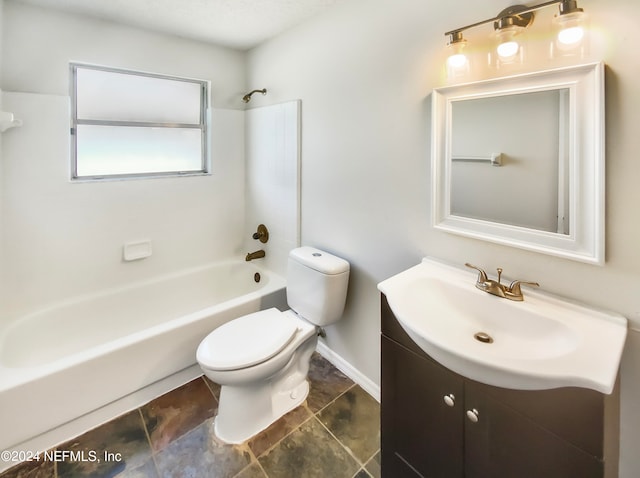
<point x="132" y="124"/>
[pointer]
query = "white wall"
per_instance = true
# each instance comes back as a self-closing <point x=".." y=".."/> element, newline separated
<point x="1" y="19"/>
<point x="1" y="162"/>
<point x="39" y="43"/>
<point x="62" y="239"/>
<point x="364" y="72"/>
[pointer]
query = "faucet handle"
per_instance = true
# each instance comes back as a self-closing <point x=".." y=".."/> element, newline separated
<point x="262" y="234"/>
<point x="482" y="275"/>
<point x="514" y="288"/>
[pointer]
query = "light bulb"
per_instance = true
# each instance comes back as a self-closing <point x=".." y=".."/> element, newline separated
<point x="508" y="49"/>
<point x="571" y="36"/>
<point x="457" y="61"/>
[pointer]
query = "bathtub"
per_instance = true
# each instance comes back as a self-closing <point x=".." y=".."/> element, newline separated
<point x="74" y="357"/>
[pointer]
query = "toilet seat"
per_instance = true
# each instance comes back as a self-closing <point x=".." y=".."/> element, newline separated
<point x="246" y="341"/>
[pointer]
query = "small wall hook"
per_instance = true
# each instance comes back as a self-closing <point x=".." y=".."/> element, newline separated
<point x="8" y="121"/>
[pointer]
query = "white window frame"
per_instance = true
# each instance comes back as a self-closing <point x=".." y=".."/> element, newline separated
<point x="203" y="125"/>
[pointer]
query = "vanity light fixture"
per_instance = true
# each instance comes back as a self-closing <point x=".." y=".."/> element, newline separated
<point x="510" y="23"/>
<point x="457" y="61"/>
<point x="570" y="24"/>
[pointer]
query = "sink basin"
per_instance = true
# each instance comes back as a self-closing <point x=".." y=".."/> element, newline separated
<point x="543" y="342"/>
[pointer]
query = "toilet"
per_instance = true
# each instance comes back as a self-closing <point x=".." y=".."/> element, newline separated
<point x="261" y="360"/>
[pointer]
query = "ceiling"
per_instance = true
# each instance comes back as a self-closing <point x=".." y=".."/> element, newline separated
<point x="239" y="24"/>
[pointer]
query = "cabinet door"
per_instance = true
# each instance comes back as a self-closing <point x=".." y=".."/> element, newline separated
<point x="421" y="434"/>
<point x="503" y="443"/>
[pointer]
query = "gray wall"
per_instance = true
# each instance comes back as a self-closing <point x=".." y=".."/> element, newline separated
<point x="364" y="71"/>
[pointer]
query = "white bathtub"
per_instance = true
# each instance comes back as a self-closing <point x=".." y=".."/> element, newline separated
<point x="75" y="357"/>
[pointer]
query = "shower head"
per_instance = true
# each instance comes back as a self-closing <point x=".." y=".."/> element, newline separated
<point x="246" y="98"/>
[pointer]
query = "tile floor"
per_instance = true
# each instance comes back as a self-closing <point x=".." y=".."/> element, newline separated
<point x="335" y="433"/>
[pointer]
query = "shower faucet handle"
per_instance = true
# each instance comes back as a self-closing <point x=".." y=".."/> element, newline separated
<point x="262" y="234"/>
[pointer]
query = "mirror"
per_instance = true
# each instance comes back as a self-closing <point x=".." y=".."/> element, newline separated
<point x="528" y="131"/>
<point x="520" y="161"/>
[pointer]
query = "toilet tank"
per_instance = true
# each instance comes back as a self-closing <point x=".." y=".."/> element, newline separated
<point x="317" y="285"/>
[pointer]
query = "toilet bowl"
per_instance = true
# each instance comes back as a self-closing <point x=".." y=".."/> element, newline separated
<point x="259" y="383"/>
<point x="261" y="360"/>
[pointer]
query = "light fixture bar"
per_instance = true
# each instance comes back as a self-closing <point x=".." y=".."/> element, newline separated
<point x="501" y="16"/>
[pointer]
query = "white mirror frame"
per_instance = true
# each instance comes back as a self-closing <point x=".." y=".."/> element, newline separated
<point x="585" y="241"/>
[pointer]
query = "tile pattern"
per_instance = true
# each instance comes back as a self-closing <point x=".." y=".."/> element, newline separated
<point x="124" y="437"/>
<point x="350" y="419"/>
<point x="199" y="453"/>
<point x="33" y="469"/>
<point x="170" y="416"/>
<point x="326" y="383"/>
<point x="300" y="451"/>
<point x="335" y="433"/>
<point x="280" y="429"/>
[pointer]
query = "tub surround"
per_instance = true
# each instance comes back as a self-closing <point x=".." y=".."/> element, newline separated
<point x="272" y="175"/>
<point x="335" y="433"/>
<point x="58" y="234"/>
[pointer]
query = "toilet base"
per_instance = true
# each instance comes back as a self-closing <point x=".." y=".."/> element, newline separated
<point x="237" y="430"/>
<point x="246" y="410"/>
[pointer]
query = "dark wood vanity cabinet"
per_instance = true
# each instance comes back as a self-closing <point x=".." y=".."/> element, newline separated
<point x="421" y="436"/>
<point x="438" y="424"/>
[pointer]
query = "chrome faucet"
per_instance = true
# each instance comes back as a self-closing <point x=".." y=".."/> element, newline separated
<point x="512" y="291"/>
<point x="254" y="255"/>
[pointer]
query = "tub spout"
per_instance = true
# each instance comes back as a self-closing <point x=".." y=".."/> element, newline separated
<point x="254" y="255"/>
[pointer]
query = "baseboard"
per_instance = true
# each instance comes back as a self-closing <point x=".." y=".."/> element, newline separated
<point x="349" y="370"/>
<point x="84" y="423"/>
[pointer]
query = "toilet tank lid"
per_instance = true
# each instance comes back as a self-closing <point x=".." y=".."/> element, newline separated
<point x="318" y="260"/>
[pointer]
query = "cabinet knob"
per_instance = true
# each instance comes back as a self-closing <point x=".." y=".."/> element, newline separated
<point x="450" y="400"/>
<point x="472" y="415"/>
